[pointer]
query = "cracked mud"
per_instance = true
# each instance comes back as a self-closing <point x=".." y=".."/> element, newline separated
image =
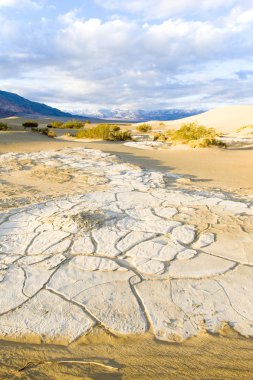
<point x="133" y="256"/>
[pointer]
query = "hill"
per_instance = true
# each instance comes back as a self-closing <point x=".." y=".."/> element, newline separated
<point x="14" y="105"/>
<point x="225" y="119"/>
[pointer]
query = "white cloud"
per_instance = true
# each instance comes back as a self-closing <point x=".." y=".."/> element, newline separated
<point x="128" y="62"/>
<point x="19" y="3"/>
<point x="123" y="44"/>
<point x="8" y="3"/>
<point x="165" y="8"/>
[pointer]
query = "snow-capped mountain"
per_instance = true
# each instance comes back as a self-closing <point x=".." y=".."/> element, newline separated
<point x="137" y="115"/>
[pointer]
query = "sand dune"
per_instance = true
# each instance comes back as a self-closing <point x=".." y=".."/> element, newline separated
<point x="225" y="119"/>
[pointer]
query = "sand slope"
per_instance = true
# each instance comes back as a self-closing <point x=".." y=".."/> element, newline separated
<point x="225" y="119"/>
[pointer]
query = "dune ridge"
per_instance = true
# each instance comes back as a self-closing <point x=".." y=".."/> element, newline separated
<point x="224" y="119"/>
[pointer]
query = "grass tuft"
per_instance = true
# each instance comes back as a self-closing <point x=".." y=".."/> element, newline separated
<point x="104" y="132"/>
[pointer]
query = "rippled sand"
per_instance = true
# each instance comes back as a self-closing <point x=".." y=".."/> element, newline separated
<point x="104" y="356"/>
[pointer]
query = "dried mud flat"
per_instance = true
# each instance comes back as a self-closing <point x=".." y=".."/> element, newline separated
<point x="101" y="243"/>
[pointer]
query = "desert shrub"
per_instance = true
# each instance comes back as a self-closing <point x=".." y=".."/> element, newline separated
<point x="120" y="136"/>
<point x="101" y="131"/>
<point x="165" y="136"/>
<point x="42" y="130"/>
<point x="73" y="124"/>
<point x="144" y="128"/>
<point x="196" y="136"/>
<point x="30" y="124"/>
<point x="201" y="143"/>
<point x="162" y="124"/>
<point x="191" y="132"/>
<point x="3" y="127"/>
<point x="244" y="127"/>
<point x="160" y="137"/>
<point x="104" y="132"/>
<point x="51" y="134"/>
<point x="115" y="128"/>
<point x="70" y="124"/>
<point x="205" y="142"/>
<point x="55" y="124"/>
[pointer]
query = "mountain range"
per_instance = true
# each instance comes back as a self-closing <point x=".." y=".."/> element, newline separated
<point x="138" y="114"/>
<point x="14" y="105"/>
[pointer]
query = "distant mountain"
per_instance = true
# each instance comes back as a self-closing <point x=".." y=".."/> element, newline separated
<point x="15" y="105"/>
<point x="139" y="115"/>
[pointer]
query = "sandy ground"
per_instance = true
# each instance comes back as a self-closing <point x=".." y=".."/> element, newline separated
<point x="223" y="119"/>
<point x="230" y="170"/>
<point x="104" y="356"/>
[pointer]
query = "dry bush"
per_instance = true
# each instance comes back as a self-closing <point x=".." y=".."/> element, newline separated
<point x="192" y="134"/>
<point x="104" y="132"/>
<point x="3" y="127"/>
<point x="70" y="124"/>
<point x="30" y="124"/>
<point x="165" y="136"/>
<point x="144" y="128"/>
<point x="51" y="134"/>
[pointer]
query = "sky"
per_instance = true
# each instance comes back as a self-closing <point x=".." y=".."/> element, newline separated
<point x="129" y="54"/>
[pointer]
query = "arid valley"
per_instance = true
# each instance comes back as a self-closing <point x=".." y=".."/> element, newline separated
<point x="117" y="260"/>
<point x="126" y="190"/>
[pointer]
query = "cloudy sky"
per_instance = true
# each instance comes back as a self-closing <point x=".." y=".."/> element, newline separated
<point x="148" y="54"/>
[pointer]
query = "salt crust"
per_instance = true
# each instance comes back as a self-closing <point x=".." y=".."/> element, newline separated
<point x="122" y="258"/>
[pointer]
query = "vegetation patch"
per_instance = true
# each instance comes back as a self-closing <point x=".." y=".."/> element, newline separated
<point x="41" y="130"/>
<point x="51" y="134"/>
<point x="144" y="128"/>
<point x="3" y="127"/>
<point x="90" y="220"/>
<point x="249" y="127"/>
<point x="70" y="124"/>
<point x="30" y="124"/>
<point x="165" y="136"/>
<point x="192" y="134"/>
<point x="105" y="132"/>
<point x="55" y="124"/>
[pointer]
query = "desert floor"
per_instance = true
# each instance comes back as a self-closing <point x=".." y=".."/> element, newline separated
<point x="105" y="357"/>
<point x="228" y="169"/>
<point x="43" y="192"/>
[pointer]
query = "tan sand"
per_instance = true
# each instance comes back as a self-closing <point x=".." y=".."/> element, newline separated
<point x="224" y="119"/>
<point x="101" y="355"/>
<point x="227" y="169"/>
<point x="230" y="170"/>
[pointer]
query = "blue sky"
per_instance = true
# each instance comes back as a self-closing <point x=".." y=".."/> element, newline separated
<point x="152" y="54"/>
